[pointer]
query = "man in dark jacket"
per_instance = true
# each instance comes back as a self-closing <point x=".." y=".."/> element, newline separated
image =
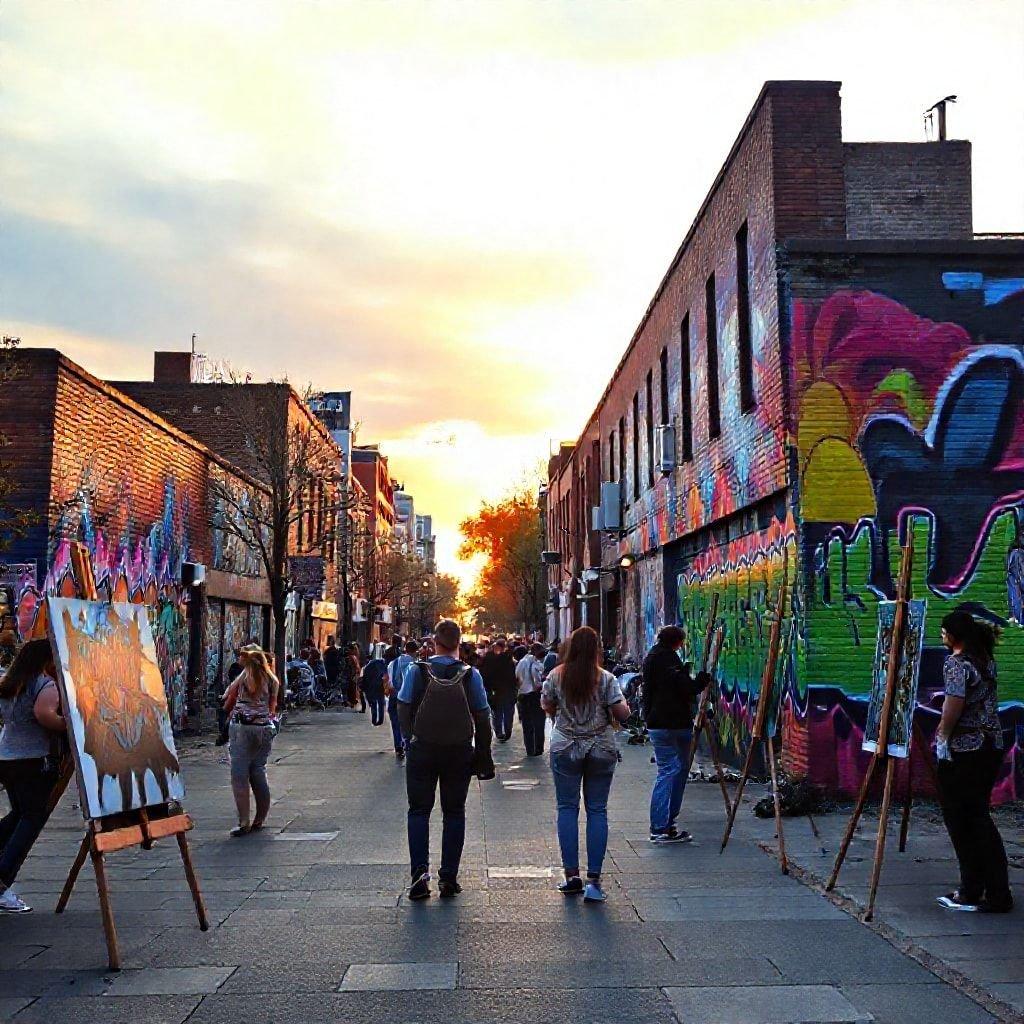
<point x="669" y="703"/>
<point x="499" y="673"/>
<point x="332" y="664"/>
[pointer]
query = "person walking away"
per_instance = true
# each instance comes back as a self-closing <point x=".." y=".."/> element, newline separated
<point x="443" y="710"/>
<point x="29" y="766"/>
<point x="371" y="686"/>
<point x="969" y="754"/>
<point x="332" y="664"/>
<point x="316" y="663"/>
<point x="551" y="659"/>
<point x="668" y="701"/>
<point x="352" y="670"/>
<point x="396" y="673"/>
<point x="499" y="674"/>
<point x="529" y="674"/>
<point x="468" y="655"/>
<point x="251" y="703"/>
<point x="584" y="702"/>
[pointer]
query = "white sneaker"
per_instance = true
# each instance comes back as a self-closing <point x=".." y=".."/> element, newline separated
<point x="12" y="903"/>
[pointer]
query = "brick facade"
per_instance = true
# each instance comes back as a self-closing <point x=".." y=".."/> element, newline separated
<point x="738" y="506"/>
<point x="97" y="467"/>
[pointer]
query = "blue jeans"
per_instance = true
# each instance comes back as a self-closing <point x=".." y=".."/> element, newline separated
<point x="396" y="729"/>
<point x="672" y="752"/>
<point x="503" y="714"/>
<point x="593" y="774"/>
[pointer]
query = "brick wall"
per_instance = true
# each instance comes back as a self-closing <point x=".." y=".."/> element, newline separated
<point x="908" y="190"/>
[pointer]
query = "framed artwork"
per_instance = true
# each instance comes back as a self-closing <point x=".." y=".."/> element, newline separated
<point x="905" y="698"/>
<point x="118" y="724"/>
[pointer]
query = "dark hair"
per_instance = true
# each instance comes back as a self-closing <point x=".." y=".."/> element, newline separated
<point x="29" y="662"/>
<point x="411" y="646"/>
<point x="520" y="652"/>
<point x="447" y="634"/>
<point x="671" y="635"/>
<point x="537" y="650"/>
<point x="581" y="670"/>
<point x="978" y="638"/>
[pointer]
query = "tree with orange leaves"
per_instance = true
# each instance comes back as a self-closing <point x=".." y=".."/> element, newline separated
<point x="510" y="535"/>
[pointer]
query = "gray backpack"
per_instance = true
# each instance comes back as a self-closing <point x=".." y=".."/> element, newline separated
<point x="443" y="716"/>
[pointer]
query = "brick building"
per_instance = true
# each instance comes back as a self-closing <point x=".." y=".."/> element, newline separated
<point x="212" y="413"/>
<point x="96" y="466"/>
<point x="831" y="356"/>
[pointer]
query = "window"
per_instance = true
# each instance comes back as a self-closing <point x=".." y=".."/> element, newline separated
<point x="611" y="456"/>
<point x="663" y="378"/>
<point x="650" y="428"/>
<point x="636" y="446"/>
<point x="747" y="399"/>
<point x="622" y="451"/>
<point x="686" y="407"/>
<point x="711" y="313"/>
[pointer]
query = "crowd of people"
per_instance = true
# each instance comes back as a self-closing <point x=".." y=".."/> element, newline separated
<point x="447" y="701"/>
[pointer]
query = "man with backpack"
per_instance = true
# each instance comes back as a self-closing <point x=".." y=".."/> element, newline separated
<point x="668" y="700"/>
<point x="443" y="710"/>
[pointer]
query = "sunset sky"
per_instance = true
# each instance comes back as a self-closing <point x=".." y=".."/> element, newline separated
<point x="457" y="210"/>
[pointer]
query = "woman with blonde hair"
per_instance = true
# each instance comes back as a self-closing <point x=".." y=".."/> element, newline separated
<point x="584" y="700"/>
<point x="250" y="704"/>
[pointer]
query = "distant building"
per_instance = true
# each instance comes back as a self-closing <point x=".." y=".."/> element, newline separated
<point x="405" y="520"/>
<point x="425" y="541"/>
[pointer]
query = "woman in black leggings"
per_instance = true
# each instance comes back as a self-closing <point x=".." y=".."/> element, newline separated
<point x="30" y="706"/>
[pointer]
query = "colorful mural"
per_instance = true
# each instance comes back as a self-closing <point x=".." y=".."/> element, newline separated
<point x="212" y="633"/>
<point x="236" y="630"/>
<point x="904" y="423"/>
<point x="139" y="563"/>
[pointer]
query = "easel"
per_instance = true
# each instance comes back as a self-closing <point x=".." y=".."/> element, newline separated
<point x="702" y="722"/>
<point x="757" y="734"/>
<point x="881" y="752"/>
<point x="117" y="832"/>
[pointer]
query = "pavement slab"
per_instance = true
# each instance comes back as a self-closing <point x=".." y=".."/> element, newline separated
<point x="310" y="919"/>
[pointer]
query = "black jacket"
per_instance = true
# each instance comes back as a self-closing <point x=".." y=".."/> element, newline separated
<point x="332" y="663"/>
<point x="670" y="693"/>
<point x="499" y="675"/>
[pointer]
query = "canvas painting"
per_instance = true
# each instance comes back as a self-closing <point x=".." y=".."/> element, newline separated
<point x="120" y="729"/>
<point x="905" y="698"/>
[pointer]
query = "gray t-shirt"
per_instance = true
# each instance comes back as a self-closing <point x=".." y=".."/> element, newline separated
<point x="587" y="726"/>
<point x="979" y="722"/>
<point x="22" y="736"/>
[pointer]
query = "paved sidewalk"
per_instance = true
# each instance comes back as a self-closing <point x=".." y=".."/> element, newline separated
<point x="310" y="923"/>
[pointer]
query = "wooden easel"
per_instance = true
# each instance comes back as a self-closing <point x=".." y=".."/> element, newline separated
<point x="757" y="734"/>
<point x="117" y="832"/>
<point x="703" y="720"/>
<point x="881" y="752"/>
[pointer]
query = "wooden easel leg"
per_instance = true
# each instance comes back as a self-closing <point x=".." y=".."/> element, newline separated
<point x="65" y="895"/>
<point x="193" y="882"/>
<point x="719" y="771"/>
<point x="739" y="794"/>
<point x="851" y="827"/>
<point x="698" y="728"/>
<point x="783" y="863"/>
<point x="113" y="952"/>
<point x="883" y="824"/>
<point x="908" y="799"/>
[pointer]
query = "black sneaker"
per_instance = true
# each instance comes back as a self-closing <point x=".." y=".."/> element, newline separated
<point x="673" y="835"/>
<point x="986" y="906"/>
<point x="447" y="889"/>
<point x="420" y="888"/>
<point x="571" y="886"/>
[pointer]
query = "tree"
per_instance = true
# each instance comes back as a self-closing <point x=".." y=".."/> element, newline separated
<point x="294" y="481"/>
<point x="511" y="588"/>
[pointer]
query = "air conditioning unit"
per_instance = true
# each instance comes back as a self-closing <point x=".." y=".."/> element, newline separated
<point x="665" y="448"/>
<point x="611" y="507"/>
<point x="360" y="610"/>
<point x="596" y="518"/>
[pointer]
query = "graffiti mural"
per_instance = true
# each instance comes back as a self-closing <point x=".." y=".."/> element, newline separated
<point x="904" y="423"/>
<point x="135" y="562"/>
<point x="213" y="628"/>
<point x="236" y="630"/>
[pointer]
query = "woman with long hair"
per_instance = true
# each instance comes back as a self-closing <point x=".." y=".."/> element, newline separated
<point x="969" y="750"/>
<point x="251" y="703"/>
<point x="584" y="700"/>
<point x="30" y="707"/>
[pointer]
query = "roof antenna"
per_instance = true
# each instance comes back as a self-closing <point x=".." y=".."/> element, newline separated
<point x="941" y="108"/>
<point x="193" y="343"/>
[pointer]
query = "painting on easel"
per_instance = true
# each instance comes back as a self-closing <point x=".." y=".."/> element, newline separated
<point x="905" y="697"/>
<point x="114" y="695"/>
